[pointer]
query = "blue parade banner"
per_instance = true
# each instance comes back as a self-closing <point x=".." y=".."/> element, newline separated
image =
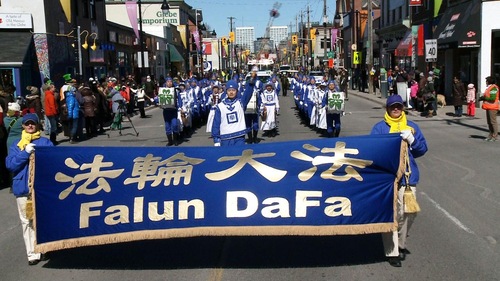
<point x="97" y="195"/>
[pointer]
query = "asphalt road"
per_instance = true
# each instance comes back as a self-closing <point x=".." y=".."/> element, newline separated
<point x="454" y="237"/>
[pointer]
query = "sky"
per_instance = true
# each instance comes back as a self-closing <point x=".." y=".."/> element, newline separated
<point x="216" y="13"/>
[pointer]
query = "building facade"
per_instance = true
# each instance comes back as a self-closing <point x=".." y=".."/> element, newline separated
<point x="278" y="33"/>
<point x="245" y="36"/>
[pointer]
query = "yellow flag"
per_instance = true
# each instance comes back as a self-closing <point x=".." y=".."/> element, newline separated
<point x="66" y="5"/>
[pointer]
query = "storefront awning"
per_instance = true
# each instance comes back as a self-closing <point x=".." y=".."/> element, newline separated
<point x="14" y="46"/>
<point x="175" y="55"/>
<point x="404" y="48"/>
<point x="460" y="26"/>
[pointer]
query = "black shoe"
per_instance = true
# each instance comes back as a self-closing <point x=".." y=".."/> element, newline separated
<point x="44" y="257"/>
<point x="394" y="261"/>
<point x="33" y="262"/>
<point x="403" y="253"/>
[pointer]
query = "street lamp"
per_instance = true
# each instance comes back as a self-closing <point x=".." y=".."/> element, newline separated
<point x="79" y="44"/>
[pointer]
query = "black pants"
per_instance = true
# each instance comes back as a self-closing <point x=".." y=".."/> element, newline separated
<point x="140" y="105"/>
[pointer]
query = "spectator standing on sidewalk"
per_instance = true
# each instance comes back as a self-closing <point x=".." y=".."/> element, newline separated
<point x="490" y="104"/>
<point x="471" y="100"/>
<point x="459" y="95"/>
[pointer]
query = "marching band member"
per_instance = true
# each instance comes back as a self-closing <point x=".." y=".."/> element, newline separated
<point x="252" y="110"/>
<point x="270" y="104"/>
<point x="213" y="101"/>
<point x="229" y="126"/>
<point x="334" y="102"/>
<point x="170" y="103"/>
<point x="320" y="110"/>
<point x="184" y="114"/>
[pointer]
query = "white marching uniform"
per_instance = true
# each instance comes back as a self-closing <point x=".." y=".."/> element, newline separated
<point x="321" y="121"/>
<point x="213" y="100"/>
<point x="186" y="108"/>
<point x="270" y="101"/>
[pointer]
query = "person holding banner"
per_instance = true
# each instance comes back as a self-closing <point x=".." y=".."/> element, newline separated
<point x="17" y="163"/>
<point x="169" y="102"/>
<point x="334" y="102"/>
<point x="229" y="127"/>
<point x="395" y="122"/>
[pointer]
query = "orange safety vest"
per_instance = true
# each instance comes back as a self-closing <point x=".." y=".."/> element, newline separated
<point x="491" y="98"/>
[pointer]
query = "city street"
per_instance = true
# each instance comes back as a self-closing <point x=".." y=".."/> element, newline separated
<point x="454" y="237"/>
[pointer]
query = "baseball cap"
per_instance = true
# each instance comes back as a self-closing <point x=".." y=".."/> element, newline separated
<point x="394" y="99"/>
<point x="30" y="117"/>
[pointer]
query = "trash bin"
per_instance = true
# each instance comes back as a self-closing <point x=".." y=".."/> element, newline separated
<point x="383" y="83"/>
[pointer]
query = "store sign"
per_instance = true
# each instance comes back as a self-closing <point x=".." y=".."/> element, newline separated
<point x="158" y="17"/>
<point x="15" y="21"/>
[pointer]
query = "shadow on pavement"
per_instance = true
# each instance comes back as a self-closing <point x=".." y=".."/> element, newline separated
<point x="225" y="252"/>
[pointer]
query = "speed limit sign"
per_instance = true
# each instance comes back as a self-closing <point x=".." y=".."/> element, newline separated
<point x="431" y="50"/>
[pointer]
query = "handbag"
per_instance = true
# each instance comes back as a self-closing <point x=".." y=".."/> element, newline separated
<point x="410" y="203"/>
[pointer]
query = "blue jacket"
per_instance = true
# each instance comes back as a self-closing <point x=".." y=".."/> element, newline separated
<point x="73" y="105"/>
<point x="417" y="149"/>
<point x="17" y="162"/>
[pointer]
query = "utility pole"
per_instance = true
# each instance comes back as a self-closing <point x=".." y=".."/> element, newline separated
<point x="369" y="53"/>
<point x="309" y="41"/>
<point x="325" y="21"/>
<point x="302" y="36"/>
<point x="231" y="43"/>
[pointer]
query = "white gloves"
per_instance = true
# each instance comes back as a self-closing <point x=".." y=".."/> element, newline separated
<point x="407" y="135"/>
<point x="217" y="144"/>
<point x="30" y="148"/>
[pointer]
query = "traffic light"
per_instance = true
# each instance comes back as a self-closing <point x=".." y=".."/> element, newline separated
<point x="294" y="39"/>
<point x="224" y="41"/>
<point x="312" y="31"/>
<point x="247" y="52"/>
<point x="284" y="51"/>
<point x="231" y="36"/>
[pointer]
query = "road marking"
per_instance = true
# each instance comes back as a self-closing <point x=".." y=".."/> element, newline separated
<point x="451" y="217"/>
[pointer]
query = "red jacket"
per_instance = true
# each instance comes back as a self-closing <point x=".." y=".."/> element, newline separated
<point x="50" y="104"/>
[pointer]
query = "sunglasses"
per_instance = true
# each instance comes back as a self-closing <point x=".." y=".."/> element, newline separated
<point x="29" y="123"/>
<point x="396" y="106"/>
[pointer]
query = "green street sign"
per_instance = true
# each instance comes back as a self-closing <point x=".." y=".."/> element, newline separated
<point x="329" y="55"/>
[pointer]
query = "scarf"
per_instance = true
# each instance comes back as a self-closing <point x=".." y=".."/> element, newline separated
<point x="397" y="124"/>
<point x="26" y="138"/>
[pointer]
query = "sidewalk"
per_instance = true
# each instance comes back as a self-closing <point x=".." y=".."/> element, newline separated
<point x="446" y="112"/>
